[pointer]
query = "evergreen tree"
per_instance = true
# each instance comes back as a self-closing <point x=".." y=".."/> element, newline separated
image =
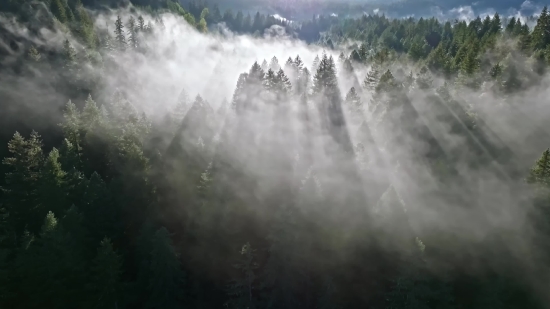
<point x="511" y="82"/>
<point x="265" y="66"/>
<point x="69" y="54"/>
<point x="355" y="56"/>
<point x="132" y="33"/>
<point x="341" y="57"/>
<point x="353" y="102"/>
<point x="279" y="277"/>
<point x="120" y="37"/>
<point x="141" y="24"/>
<point x="86" y="28"/>
<point x="105" y="286"/>
<point x="22" y="181"/>
<point x="101" y="216"/>
<point x="540" y="173"/>
<point x="243" y="288"/>
<point x="160" y="276"/>
<point x="201" y="26"/>
<point x="372" y="79"/>
<point x="496" y="71"/>
<point x="34" y="54"/>
<point x="541" y="32"/>
<point x="58" y="9"/>
<point x="315" y="64"/>
<point x="181" y="108"/>
<point x="298" y="63"/>
<point x="274" y="64"/>
<point x="423" y="79"/>
<point x="50" y="268"/>
<point x="52" y="189"/>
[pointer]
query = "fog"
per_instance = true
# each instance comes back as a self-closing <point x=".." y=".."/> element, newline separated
<point x="483" y="208"/>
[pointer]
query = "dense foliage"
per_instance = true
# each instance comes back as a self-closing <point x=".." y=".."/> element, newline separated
<point x="292" y="195"/>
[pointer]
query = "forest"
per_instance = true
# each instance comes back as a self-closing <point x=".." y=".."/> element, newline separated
<point x="157" y="154"/>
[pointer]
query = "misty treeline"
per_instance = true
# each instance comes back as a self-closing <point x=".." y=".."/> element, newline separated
<point x="391" y="176"/>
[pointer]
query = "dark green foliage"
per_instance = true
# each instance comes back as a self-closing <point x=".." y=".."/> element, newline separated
<point x="22" y="182"/>
<point x="540" y="173"/>
<point x="541" y="32"/>
<point x="70" y="54"/>
<point x="52" y="188"/>
<point x="120" y="37"/>
<point x="105" y="286"/>
<point x="243" y="288"/>
<point x="58" y="9"/>
<point x="160" y="278"/>
<point x="49" y="269"/>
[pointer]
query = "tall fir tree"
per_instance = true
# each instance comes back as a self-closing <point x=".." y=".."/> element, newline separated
<point x="120" y="37"/>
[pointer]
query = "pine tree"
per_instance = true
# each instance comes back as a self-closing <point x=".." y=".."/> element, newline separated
<point x="274" y="64"/>
<point x="298" y="63"/>
<point x="22" y="181"/>
<point x="423" y="79"/>
<point x="52" y="189"/>
<point x="511" y="26"/>
<point x="50" y="267"/>
<point x="101" y="214"/>
<point x="181" y="108"/>
<point x="496" y="71"/>
<point x="315" y="65"/>
<point x="355" y="56"/>
<point x="34" y="54"/>
<point x="341" y="57"/>
<point x="70" y="159"/>
<point x="353" y="101"/>
<point x="239" y="94"/>
<point x="90" y="117"/>
<point x="512" y="81"/>
<point x="243" y="288"/>
<point x="394" y="221"/>
<point x="540" y="173"/>
<point x="265" y="66"/>
<point x="409" y="81"/>
<point x="120" y="37"/>
<point x="70" y="15"/>
<point x="496" y="24"/>
<point x="280" y="277"/>
<point x="289" y="64"/>
<point x="86" y="28"/>
<point x="541" y="32"/>
<point x="284" y="86"/>
<point x="69" y="53"/>
<point x="71" y="125"/>
<point x="372" y="79"/>
<point x="132" y="33"/>
<point x="386" y="83"/>
<point x="363" y="52"/>
<point x="105" y="286"/>
<point x="160" y="277"/>
<point x="141" y="24"/>
<point x="325" y="78"/>
<point x="58" y="10"/>
<point x="202" y="26"/>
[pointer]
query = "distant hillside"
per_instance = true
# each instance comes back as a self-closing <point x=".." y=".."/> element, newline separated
<point x="304" y="9"/>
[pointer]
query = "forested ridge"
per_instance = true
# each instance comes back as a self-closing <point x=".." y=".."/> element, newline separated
<point x="152" y="158"/>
